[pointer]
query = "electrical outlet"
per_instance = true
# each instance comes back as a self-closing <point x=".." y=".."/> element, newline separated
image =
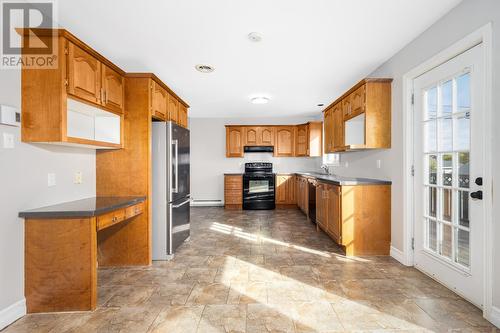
<point x="51" y="179"/>
<point x="78" y="179"/>
<point x="379" y="164"/>
<point x="8" y="141"/>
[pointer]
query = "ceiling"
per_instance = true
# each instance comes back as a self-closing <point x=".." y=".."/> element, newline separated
<point x="310" y="53"/>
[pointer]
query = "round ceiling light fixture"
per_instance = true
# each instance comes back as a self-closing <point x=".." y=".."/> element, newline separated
<point x="204" y="68"/>
<point x="259" y="100"/>
<point x="255" y="37"/>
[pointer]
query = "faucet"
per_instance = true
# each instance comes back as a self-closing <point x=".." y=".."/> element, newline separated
<point x="325" y="168"/>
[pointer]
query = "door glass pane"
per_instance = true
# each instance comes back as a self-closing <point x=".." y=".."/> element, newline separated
<point x="446" y="130"/>
<point x="445" y="134"/>
<point x="463" y="170"/>
<point x="430" y="136"/>
<point x="258" y="186"/>
<point x="432" y="235"/>
<point x="431" y="103"/>
<point x="447" y="169"/>
<point x="462" y="132"/>
<point x="463" y="253"/>
<point x="446" y="241"/>
<point x="463" y="208"/>
<point x="463" y="92"/>
<point x="432" y="167"/>
<point x="446" y="97"/>
<point x="447" y="204"/>
<point x="432" y="208"/>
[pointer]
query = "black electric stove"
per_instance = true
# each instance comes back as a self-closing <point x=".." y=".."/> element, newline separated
<point x="258" y="186"/>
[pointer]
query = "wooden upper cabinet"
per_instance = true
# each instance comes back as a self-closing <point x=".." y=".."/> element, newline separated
<point x="302" y="140"/>
<point x="285" y="141"/>
<point x="361" y="118"/>
<point x="357" y="102"/>
<point x="92" y="81"/>
<point x="60" y="105"/>
<point x="84" y="75"/>
<point x="328" y="129"/>
<point x="259" y="136"/>
<point x="173" y="108"/>
<point x="251" y="136"/>
<point x="338" y="128"/>
<point x="183" y="115"/>
<point x="266" y="136"/>
<point x="113" y="86"/>
<point x="159" y="101"/>
<point x="234" y="141"/>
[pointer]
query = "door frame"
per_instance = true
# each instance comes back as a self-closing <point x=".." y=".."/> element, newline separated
<point x="482" y="36"/>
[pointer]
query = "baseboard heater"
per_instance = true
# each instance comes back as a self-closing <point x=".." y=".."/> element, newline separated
<point x="207" y="203"/>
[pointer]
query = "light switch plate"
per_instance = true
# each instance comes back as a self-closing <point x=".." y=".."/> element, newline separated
<point x="78" y="178"/>
<point x="8" y="141"/>
<point x="51" y="179"/>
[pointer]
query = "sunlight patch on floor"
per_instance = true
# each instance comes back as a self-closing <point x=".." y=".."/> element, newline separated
<point x="238" y="232"/>
<point x="308" y="306"/>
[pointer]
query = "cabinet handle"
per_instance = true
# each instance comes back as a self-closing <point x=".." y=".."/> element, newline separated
<point x="105" y="97"/>
<point x="114" y="219"/>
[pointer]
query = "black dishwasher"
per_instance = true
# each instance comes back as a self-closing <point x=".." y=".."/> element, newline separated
<point x="312" y="199"/>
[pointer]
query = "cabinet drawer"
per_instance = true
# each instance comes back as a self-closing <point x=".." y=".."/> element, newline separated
<point x="111" y="218"/>
<point x="233" y="186"/>
<point x="233" y="197"/>
<point x="134" y="210"/>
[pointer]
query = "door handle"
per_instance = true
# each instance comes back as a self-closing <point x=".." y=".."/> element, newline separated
<point x="477" y="195"/>
<point x="176" y="166"/>
<point x="181" y="204"/>
<point x="479" y="181"/>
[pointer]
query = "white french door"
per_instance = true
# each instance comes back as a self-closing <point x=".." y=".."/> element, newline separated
<point x="448" y="161"/>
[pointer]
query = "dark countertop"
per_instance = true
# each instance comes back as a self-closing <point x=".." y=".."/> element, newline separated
<point x="344" y="181"/>
<point x="82" y="208"/>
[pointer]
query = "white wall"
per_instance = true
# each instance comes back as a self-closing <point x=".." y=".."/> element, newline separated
<point x="208" y="155"/>
<point x="467" y="17"/>
<point x="23" y="185"/>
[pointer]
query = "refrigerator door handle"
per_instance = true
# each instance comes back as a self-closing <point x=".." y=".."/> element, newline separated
<point x="181" y="204"/>
<point x="176" y="166"/>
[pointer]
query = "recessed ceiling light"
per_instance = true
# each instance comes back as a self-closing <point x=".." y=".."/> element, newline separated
<point x="255" y="37"/>
<point x="260" y="100"/>
<point x="204" y="68"/>
<point x="321" y="104"/>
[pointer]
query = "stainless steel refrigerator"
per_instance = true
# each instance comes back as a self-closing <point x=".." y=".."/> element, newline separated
<point x="171" y="189"/>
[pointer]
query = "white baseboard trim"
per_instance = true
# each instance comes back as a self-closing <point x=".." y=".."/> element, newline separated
<point x="12" y="313"/>
<point x="398" y="255"/>
<point x="207" y="203"/>
<point x="494" y="316"/>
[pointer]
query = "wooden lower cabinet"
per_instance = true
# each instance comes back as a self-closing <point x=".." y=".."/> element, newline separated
<point x="356" y="217"/>
<point x="62" y="255"/>
<point x="302" y="194"/>
<point x="285" y="190"/>
<point x="233" y="191"/>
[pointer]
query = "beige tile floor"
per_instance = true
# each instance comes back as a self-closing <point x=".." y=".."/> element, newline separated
<point x="264" y="271"/>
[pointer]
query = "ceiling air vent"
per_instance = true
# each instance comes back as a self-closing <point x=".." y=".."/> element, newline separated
<point x="204" y="68"/>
